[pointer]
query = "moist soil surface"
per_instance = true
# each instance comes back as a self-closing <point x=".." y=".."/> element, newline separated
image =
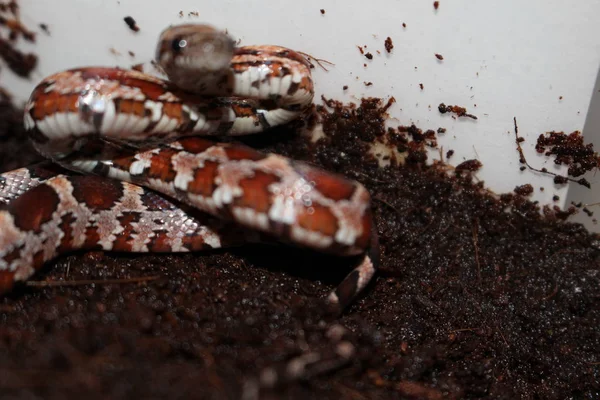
<point x="478" y="296"/>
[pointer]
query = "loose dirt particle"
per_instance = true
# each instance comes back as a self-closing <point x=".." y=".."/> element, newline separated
<point x="20" y="63"/>
<point x="322" y="11"/>
<point x="16" y="28"/>
<point x="524" y="190"/>
<point x="131" y="23"/>
<point x="368" y="83"/>
<point x="439" y="56"/>
<point x="459" y="111"/>
<point x="421" y="86"/>
<point x="345" y="87"/>
<point x="388" y="44"/>
<point x="436" y="4"/>
<point x="369" y="56"/>
<point x="449" y="153"/>
<point x="469" y="165"/>
<point x="138" y="67"/>
<point x="403" y="25"/>
<point x="45" y="28"/>
<point x="569" y="149"/>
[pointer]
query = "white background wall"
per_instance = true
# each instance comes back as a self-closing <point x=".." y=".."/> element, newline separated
<point x="511" y="58"/>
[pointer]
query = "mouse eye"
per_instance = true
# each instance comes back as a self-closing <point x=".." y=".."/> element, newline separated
<point x="178" y="44"/>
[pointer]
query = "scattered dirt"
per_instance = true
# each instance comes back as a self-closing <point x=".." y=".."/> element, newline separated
<point x="389" y="45"/>
<point x="524" y="190"/>
<point x="469" y="165"/>
<point x="131" y="23"/>
<point x="17" y="61"/>
<point x="471" y="301"/>
<point x="458" y="110"/>
<point x="569" y="149"/>
<point x="20" y="63"/>
<point x="45" y="28"/>
<point x="138" y="67"/>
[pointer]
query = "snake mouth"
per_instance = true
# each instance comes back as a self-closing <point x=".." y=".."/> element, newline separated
<point x="194" y="47"/>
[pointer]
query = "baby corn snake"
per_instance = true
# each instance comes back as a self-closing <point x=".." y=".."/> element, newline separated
<point x="133" y="141"/>
<point x="128" y="166"/>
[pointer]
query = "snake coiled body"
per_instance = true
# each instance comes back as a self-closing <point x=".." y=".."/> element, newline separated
<point x="139" y="163"/>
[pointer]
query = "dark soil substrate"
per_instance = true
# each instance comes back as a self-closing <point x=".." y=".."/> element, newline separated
<point x="472" y="300"/>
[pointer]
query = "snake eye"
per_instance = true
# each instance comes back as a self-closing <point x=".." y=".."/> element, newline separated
<point x="178" y="44"/>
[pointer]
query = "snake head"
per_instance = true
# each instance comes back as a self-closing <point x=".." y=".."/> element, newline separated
<point x="193" y="48"/>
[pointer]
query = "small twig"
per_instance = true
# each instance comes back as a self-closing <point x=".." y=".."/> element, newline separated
<point x="319" y="61"/>
<point x="523" y="160"/>
<point x="552" y="294"/>
<point x="465" y="330"/>
<point x="91" y="282"/>
<point x="565" y="251"/>
<point x="369" y="178"/>
<point x="386" y="203"/>
<point x="476" y="154"/>
<point x="418" y="390"/>
<point x="503" y="338"/>
<point x="475" y="244"/>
